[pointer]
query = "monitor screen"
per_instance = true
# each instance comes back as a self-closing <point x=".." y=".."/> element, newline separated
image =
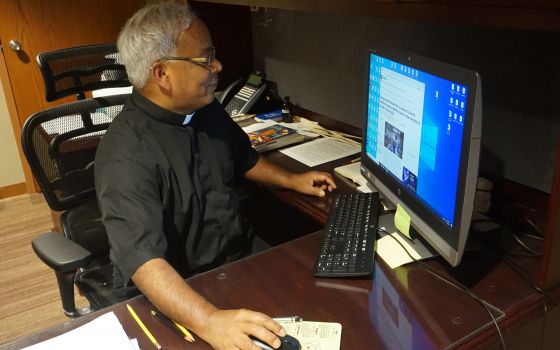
<point x="422" y="142"/>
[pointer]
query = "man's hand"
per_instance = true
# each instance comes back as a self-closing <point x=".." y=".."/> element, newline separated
<point x="313" y="182"/>
<point x="222" y="329"/>
<point x="230" y="330"/>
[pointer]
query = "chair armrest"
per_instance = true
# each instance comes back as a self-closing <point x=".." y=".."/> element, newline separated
<point x="59" y="252"/>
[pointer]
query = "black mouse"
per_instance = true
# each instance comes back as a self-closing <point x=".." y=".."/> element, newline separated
<point x="288" y="343"/>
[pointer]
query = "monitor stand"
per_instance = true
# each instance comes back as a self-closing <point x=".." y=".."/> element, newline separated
<point x="393" y="253"/>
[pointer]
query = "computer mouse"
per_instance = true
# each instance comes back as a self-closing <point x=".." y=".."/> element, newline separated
<point x="288" y="343"/>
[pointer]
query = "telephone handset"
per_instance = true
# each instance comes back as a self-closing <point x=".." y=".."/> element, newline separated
<point x="245" y="98"/>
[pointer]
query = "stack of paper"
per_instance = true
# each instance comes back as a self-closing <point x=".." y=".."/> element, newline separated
<point x="105" y="332"/>
<point x="321" y="151"/>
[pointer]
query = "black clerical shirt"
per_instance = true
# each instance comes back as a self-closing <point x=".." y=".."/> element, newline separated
<point x="167" y="190"/>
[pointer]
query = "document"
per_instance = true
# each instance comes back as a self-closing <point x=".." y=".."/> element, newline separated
<point x="322" y="150"/>
<point x="315" y="335"/>
<point x="105" y="332"/>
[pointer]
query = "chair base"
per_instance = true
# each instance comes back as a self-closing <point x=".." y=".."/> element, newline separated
<point x="78" y="312"/>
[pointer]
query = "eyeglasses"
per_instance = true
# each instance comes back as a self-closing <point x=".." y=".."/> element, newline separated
<point x="205" y="62"/>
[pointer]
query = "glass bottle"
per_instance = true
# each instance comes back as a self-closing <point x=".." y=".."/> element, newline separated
<point x="287" y="110"/>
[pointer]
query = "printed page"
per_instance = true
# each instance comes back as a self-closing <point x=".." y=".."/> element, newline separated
<point x="320" y="151"/>
<point x="315" y="335"/>
<point x="105" y="332"/>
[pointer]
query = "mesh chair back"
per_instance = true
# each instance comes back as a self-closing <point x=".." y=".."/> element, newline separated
<point x="60" y="144"/>
<point x="72" y="71"/>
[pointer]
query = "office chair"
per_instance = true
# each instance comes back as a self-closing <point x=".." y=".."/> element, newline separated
<point x="75" y="70"/>
<point x="60" y="144"/>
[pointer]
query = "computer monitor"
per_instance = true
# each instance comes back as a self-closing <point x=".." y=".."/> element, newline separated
<point x="421" y="143"/>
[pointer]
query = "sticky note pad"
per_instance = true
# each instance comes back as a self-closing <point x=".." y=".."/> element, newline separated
<point x="402" y="221"/>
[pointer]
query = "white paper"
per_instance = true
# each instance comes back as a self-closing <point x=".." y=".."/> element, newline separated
<point x="135" y="344"/>
<point x="394" y="255"/>
<point x="366" y="188"/>
<point x="352" y="172"/>
<point x="301" y="128"/>
<point x="105" y="332"/>
<point x="258" y="126"/>
<point x="320" y="151"/>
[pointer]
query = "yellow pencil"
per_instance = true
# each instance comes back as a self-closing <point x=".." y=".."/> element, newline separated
<point x="143" y="327"/>
<point x="188" y="334"/>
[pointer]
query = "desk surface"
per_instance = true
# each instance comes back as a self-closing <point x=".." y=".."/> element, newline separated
<point x="394" y="308"/>
<point x="391" y="310"/>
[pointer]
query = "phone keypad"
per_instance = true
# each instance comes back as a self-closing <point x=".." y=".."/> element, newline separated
<point x="245" y="93"/>
<point x="239" y="100"/>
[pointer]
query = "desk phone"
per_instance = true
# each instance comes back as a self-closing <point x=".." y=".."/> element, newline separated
<point x="246" y="97"/>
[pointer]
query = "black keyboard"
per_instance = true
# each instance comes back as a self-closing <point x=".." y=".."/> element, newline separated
<point x="348" y="245"/>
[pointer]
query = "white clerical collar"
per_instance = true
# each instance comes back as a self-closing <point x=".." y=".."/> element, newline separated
<point x="188" y="118"/>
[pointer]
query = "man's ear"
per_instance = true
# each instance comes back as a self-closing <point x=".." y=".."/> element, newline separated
<point x="158" y="73"/>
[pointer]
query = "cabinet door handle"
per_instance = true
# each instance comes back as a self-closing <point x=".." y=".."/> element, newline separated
<point x="15" y="45"/>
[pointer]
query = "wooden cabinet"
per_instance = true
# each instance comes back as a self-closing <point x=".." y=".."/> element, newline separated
<point x="526" y="14"/>
<point x="487" y="3"/>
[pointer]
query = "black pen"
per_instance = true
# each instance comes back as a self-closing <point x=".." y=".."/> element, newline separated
<point x="170" y="324"/>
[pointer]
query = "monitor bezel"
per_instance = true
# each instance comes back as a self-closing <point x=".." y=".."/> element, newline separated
<point x="447" y="241"/>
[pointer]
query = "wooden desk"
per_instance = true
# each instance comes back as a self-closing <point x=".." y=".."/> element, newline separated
<point x="402" y="306"/>
<point x="396" y="308"/>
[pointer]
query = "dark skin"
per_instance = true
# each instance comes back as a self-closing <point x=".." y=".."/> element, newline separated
<point x="183" y="87"/>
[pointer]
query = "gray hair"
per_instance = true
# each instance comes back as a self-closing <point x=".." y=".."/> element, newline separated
<point x="150" y="34"/>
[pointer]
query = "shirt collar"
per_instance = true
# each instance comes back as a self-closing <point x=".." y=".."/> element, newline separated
<point x="188" y="118"/>
<point x="156" y="112"/>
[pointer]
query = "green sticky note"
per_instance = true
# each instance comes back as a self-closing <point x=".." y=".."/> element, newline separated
<point x="402" y="221"/>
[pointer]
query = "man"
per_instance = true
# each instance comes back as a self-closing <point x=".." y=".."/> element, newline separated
<point x="165" y="172"/>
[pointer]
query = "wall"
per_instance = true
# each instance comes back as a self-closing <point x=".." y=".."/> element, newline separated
<point x="320" y="61"/>
<point x="11" y="171"/>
